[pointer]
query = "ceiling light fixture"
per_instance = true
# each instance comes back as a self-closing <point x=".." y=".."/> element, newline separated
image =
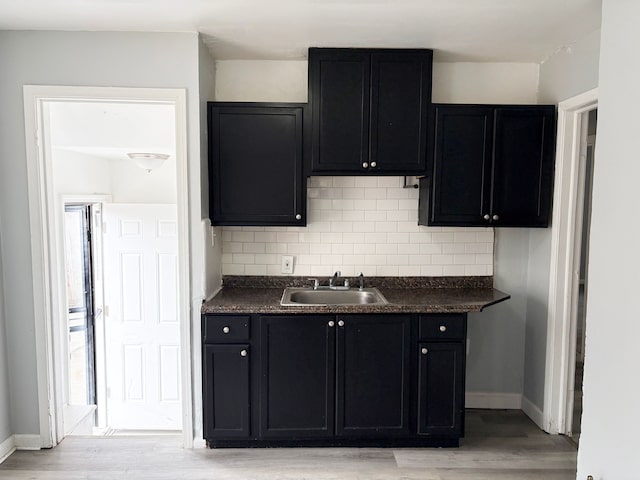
<point x="148" y="161"/>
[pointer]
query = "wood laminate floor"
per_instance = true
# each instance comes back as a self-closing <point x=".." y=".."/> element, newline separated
<point x="499" y="445"/>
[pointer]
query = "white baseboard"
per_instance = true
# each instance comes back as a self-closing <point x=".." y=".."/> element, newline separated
<point x="498" y="401"/>
<point x="27" y="442"/>
<point x="532" y="411"/>
<point x="7" y="448"/>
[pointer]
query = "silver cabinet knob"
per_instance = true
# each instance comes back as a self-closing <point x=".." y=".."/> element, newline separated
<point x="340" y="323"/>
<point x="225" y="330"/>
<point x="298" y="217"/>
<point x="331" y="323"/>
<point x="365" y="165"/>
<point x="487" y="216"/>
<point x="443" y="328"/>
<point x="243" y="353"/>
<point x="374" y="164"/>
<point x="424" y="351"/>
<point x="496" y="217"/>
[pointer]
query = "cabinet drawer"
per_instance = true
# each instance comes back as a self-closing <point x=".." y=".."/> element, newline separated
<point x="225" y="328"/>
<point x="442" y="326"/>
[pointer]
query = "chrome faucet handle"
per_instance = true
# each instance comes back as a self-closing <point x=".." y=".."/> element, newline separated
<point x="361" y="281"/>
<point x="315" y="282"/>
<point x="334" y="278"/>
<point x="346" y="283"/>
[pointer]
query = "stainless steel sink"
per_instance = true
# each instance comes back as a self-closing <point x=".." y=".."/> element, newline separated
<point x="326" y="296"/>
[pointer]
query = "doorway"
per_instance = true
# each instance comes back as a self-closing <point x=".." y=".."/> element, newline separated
<point x="49" y="186"/>
<point x="583" y="225"/>
<point x="568" y="281"/>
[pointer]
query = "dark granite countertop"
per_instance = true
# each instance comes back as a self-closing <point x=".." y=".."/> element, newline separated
<point x="405" y="295"/>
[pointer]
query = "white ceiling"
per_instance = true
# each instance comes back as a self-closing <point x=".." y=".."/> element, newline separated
<point x="110" y="130"/>
<point x="458" y="30"/>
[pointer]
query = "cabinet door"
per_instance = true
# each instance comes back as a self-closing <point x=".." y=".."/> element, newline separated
<point x="462" y="166"/>
<point x="226" y="391"/>
<point x="400" y="99"/>
<point x="372" y="375"/>
<point x="441" y="389"/>
<point x="339" y="97"/>
<point x="255" y="165"/>
<point x="297" y="376"/>
<point x="523" y="166"/>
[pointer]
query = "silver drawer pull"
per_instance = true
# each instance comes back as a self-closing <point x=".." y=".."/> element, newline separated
<point x="340" y="323"/>
<point x="424" y="351"/>
<point x="443" y="328"/>
<point x="226" y="329"/>
<point x="331" y="323"/>
<point x="243" y="353"/>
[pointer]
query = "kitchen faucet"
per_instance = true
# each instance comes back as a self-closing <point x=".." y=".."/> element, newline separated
<point x="332" y="282"/>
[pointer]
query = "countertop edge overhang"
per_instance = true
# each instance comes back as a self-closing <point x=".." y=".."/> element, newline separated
<point x="245" y="299"/>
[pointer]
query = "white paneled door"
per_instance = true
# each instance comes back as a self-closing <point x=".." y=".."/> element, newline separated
<point x="142" y="326"/>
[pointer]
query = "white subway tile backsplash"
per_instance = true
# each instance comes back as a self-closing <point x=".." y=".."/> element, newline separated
<point x="356" y="224"/>
<point x="387" y="248"/>
<point x="276" y="248"/>
<point x="366" y="182"/>
<point x="319" y="248"/>
<point x="254" y="247"/>
<point x="344" y="182"/>
<point x="297" y="248"/>
<point x="255" y="270"/>
<point x="364" y="248"/>
<point x="375" y="194"/>
<point x="242" y="236"/>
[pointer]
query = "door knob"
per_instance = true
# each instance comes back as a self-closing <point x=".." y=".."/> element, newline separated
<point x="487" y="216"/>
<point x="340" y="323"/>
<point x="424" y="351"/>
<point x="298" y="217"/>
<point x="496" y="217"/>
<point x="365" y="165"/>
<point x="225" y="330"/>
<point x="243" y="353"/>
<point x="374" y="164"/>
<point x="331" y="323"/>
<point x="443" y="328"/>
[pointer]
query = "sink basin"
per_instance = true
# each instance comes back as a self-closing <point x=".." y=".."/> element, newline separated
<point x="325" y="296"/>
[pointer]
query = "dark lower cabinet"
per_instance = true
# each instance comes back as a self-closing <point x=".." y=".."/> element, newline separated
<point x="297" y="376"/>
<point x="333" y="380"/>
<point x="440" y="388"/>
<point x="226" y="391"/>
<point x="373" y="375"/>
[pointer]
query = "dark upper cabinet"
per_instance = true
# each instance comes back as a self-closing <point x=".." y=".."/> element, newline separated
<point x="492" y="166"/>
<point x="373" y="384"/>
<point x="256" y="164"/>
<point x="370" y="110"/>
<point x="297" y="376"/>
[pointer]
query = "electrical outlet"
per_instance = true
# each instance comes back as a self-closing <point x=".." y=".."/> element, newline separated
<point x="287" y="264"/>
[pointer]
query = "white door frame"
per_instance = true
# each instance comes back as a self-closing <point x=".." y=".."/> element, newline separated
<point x="47" y="287"/>
<point x="564" y="265"/>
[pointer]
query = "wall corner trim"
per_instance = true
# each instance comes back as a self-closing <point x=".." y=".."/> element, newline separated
<point x="491" y="400"/>
<point x="7" y="447"/>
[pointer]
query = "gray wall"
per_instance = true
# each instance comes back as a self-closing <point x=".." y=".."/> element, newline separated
<point x="562" y="76"/>
<point x="5" y="410"/>
<point x="570" y="72"/>
<point x="86" y="59"/>
<point x="609" y="442"/>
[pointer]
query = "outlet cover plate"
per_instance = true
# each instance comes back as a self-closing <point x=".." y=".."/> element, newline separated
<point x="287" y="264"/>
